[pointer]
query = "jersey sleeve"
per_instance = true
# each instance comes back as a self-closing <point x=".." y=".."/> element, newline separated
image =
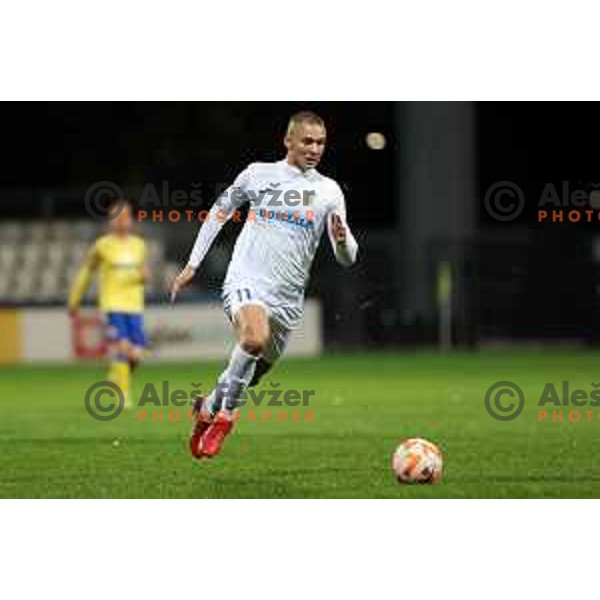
<point x="94" y="254"/>
<point x="346" y="252"/>
<point x="233" y="198"/>
<point x="84" y="275"/>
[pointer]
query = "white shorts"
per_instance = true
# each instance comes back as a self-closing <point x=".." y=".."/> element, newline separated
<point x="282" y="319"/>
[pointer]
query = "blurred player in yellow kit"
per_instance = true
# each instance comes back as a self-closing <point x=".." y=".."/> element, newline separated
<point x="119" y="257"/>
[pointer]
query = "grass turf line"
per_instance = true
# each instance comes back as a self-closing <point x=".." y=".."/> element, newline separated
<point x="363" y="405"/>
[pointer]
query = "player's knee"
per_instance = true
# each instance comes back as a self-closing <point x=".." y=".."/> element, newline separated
<point x="253" y="343"/>
<point x="123" y="347"/>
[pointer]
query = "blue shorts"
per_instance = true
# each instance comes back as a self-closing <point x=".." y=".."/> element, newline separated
<point x="126" y="326"/>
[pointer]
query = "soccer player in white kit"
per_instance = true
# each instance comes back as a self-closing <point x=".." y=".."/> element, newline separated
<point x="291" y="204"/>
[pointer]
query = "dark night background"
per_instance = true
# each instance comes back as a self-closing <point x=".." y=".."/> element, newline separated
<point x="69" y="145"/>
<point x="516" y="280"/>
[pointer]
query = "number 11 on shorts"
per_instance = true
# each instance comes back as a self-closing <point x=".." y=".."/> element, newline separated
<point x="241" y="294"/>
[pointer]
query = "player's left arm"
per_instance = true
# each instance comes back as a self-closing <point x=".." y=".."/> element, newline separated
<point x="342" y="241"/>
<point x="145" y="272"/>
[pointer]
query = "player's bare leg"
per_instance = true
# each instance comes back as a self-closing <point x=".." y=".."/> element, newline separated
<point x="135" y="357"/>
<point x="252" y="330"/>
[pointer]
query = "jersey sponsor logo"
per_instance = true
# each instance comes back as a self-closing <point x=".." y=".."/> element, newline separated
<point x="288" y="217"/>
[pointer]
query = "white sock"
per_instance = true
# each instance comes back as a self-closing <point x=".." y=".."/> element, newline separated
<point x="209" y="403"/>
<point x="233" y="380"/>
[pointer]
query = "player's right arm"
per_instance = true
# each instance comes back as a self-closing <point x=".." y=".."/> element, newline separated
<point x="222" y="210"/>
<point x="83" y="278"/>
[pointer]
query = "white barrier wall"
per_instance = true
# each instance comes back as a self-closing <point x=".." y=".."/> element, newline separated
<point x="185" y="332"/>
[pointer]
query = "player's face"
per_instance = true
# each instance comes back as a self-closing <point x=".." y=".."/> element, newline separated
<point x="123" y="222"/>
<point x="305" y="145"/>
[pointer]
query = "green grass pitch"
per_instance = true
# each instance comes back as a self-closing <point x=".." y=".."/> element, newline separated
<point x="363" y="405"/>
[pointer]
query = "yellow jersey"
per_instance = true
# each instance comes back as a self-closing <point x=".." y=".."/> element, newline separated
<point x="120" y="263"/>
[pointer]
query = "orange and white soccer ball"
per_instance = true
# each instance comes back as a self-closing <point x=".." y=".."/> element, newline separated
<point x="417" y="461"/>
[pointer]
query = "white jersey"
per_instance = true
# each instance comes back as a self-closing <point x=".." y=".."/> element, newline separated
<point x="288" y="211"/>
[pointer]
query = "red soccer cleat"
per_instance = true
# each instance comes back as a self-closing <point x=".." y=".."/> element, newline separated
<point x="202" y="421"/>
<point x="215" y="435"/>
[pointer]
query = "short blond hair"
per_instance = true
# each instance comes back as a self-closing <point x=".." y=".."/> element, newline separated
<point x="304" y="116"/>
